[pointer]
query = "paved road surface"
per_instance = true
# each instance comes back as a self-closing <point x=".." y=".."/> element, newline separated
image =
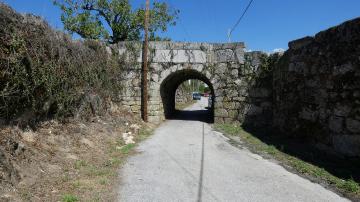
<point x="179" y="163"/>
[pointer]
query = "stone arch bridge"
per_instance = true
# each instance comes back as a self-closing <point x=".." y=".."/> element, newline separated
<point x="311" y="91"/>
<point x="220" y="66"/>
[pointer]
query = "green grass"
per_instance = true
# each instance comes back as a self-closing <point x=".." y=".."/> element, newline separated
<point x="350" y="186"/>
<point x="69" y="198"/>
<point x="144" y="133"/>
<point x="127" y="148"/>
<point x="256" y="145"/>
<point x="76" y="184"/>
<point x="103" y="181"/>
<point x="113" y="162"/>
<point x="79" y="164"/>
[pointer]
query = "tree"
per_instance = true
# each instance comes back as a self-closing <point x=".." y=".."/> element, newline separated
<point x="113" y="20"/>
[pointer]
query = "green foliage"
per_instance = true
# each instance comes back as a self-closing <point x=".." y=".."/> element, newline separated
<point x="268" y="62"/>
<point x="203" y="88"/>
<point x="69" y="198"/>
<point x="194" y="85"/>
<point x="47" y="74"/>
<point x="91" y="18"/>
<point x="350" y="186"/>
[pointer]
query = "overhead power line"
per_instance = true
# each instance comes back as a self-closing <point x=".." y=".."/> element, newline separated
<point x="239" y="20"/>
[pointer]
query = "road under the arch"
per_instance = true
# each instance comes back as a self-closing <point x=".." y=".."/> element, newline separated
<point x="185" y="160"/>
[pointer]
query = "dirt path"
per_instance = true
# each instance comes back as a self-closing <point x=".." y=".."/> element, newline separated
<point x="186" y="161"/>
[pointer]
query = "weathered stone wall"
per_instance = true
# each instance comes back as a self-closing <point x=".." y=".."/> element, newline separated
<point x="317" y="88"/>
<point x="313" y="91"/>
<point x="171" y="63"/>
<point x="255" y="91"/>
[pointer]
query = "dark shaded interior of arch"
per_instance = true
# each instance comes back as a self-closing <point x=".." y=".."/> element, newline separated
<point x="168" y="89"/>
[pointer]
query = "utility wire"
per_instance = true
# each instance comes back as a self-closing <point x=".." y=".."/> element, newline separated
<point x="239" y="20"/>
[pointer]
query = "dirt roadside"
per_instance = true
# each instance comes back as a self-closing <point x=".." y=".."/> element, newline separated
<point x="72" y="161"/>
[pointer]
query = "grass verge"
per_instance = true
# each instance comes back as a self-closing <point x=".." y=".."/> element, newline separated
<point x="346" y="186"/>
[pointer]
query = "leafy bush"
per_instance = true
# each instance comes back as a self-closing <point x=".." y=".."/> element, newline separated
<point x="44" y="72"/>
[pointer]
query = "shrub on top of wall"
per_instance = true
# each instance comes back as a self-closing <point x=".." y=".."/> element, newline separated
<point x="45" y="73"/>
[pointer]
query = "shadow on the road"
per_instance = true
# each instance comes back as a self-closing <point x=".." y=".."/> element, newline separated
<point x="205" y="115"/>
<point x="300" y="147"/>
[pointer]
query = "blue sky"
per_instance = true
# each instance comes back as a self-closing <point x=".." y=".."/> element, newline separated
<point x="268" y="24"/>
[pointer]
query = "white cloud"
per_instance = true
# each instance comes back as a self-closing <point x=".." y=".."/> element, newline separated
<point x="278" y="50"/>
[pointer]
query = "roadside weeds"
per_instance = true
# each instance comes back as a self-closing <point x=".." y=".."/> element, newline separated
<point x="68" y="161"/>
<point x="98" y="177"/>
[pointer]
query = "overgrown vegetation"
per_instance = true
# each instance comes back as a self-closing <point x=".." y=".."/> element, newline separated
<point x="303" y="167"/>
<point x="44" y="73"/>
<point x="261" y="66"/>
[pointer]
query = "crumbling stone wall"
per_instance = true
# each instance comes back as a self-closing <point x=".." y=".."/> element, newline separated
<point x="317" y="88"/>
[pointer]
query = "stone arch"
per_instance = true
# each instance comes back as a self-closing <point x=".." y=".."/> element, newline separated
<point x="170" y="83"/>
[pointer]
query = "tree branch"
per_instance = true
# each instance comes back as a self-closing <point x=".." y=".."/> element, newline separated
<point x="90" y="7"/>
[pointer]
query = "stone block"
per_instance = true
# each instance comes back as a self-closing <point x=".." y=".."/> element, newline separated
<point x="353" y="125"/>
<point x="221" y="113"/>
<point x="220" y="69"/>
<point x="343" y="69"/>
<point x="336" y="124"/>
<point x="342" y="110"/>
<point x="259" y="92"/>
<point x="155" y="77"/>
<point x="308" y="114"/>
<point x="239" y="53"/>
<point x="156" y="67"/>
<point x="228" y="120"/>
<point x="198" y="67"/>
<point x="218" y="119"/>
<point x="233" y="113"/>
<point x="226" y="55"/>
<point x="348" y="145"/>
<point x="298" y="67"/>
<point x="222" y="46"/>
<point x="234" y="72"/>
<point x="189" y="56"/>
<point x="253" y="110"/>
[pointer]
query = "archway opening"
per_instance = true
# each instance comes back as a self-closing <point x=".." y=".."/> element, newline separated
<point x="202" y="110"/>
